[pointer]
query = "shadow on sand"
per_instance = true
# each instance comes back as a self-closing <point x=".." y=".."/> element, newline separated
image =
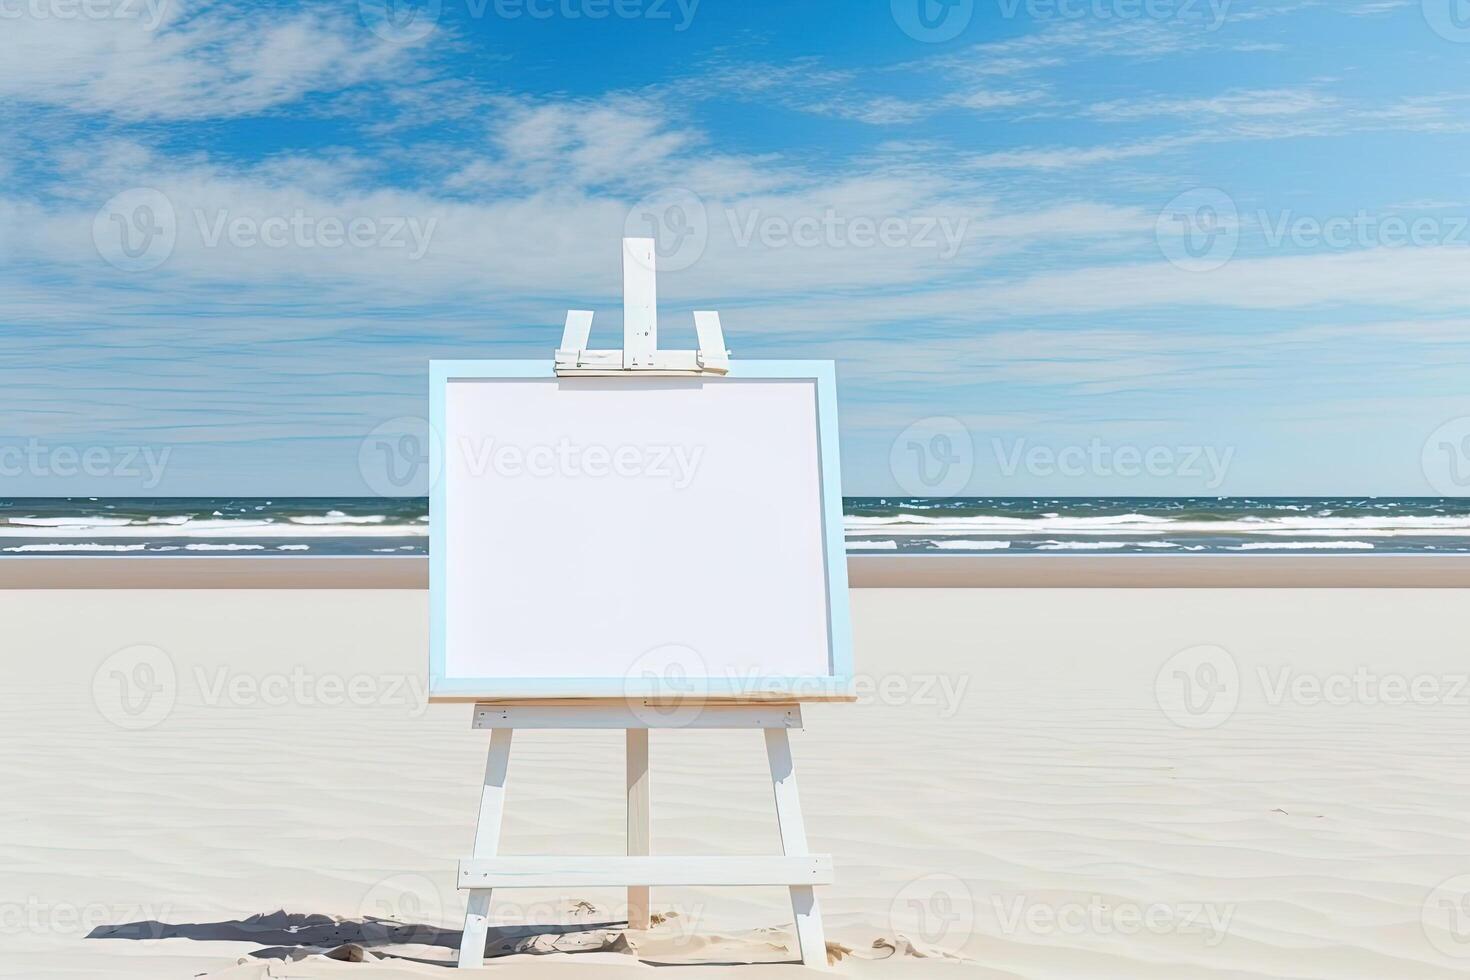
<point x="289" y="936"/>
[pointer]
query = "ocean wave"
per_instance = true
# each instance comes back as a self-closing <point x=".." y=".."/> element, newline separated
<point x="91" y="546"/>
<point x="1101" y="545"/>
<point x="972" y="545"/>
<point x="213" y="529"/>
<point x="1140" y="524"/>
<point x="65" y="522"/>
<point x="337" y="517"/>
<point x="1079" y="546"/>
<point x="1000" y="521"/>
<point x="224" y="547"/>
<point x="1303" y="545"/>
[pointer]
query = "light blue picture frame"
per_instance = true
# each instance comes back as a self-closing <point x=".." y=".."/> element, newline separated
<point x="837" y="684"/>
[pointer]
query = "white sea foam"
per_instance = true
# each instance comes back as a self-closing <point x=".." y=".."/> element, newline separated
<point x="1302" y="545"/>
<point x="64" y="522"/>
<point x="1101" y="545"/>
<point x="918" y="525"/>
<point x="213" y="529"/>
<point x="224" y="547"/>
<point x="874" y="545"/>
<point x="335" y="517"/>
<point x="972" y="545"/>
<point x="1080" y="545"/>
<point x="92" y="546"/>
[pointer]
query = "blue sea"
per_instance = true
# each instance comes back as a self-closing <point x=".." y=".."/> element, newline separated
<point x="874" y="525"/>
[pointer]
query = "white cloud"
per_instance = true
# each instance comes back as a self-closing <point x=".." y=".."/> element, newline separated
<point x="1063" y="158"/>
<point x="1229" y="105"/>
<point x="988" y="99"/>
<point x="153" y="60"/>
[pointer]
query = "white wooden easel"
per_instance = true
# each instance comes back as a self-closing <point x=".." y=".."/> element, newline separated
<point x="795" y="868"/>
<point x="639" y="870"/>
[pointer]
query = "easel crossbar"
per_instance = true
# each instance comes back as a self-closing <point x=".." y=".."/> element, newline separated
<point x="622" y="715"/>
<point x="561" y="872"/>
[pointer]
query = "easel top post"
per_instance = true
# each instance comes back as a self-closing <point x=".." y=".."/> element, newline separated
<point x="640" y="353"/>
<point x="640" y="303"/>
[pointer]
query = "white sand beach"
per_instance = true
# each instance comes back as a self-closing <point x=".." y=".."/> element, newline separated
<point x="1014" y="801"/>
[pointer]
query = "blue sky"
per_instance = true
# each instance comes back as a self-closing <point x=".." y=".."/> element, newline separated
<point x="1046" y="233"/>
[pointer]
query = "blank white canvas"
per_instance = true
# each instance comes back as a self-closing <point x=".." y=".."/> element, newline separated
<point x="598" y="528"/>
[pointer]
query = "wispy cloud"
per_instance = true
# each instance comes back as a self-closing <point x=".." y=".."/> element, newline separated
<point x="1249" y="104"/>
<point x="161" y="61"/>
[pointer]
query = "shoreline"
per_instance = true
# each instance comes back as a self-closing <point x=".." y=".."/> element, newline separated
<point x="864" y="572"/>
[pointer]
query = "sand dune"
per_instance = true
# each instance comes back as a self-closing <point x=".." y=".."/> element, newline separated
<point x="1015" y="803"/>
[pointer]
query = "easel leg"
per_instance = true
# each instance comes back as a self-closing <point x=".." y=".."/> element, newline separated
<point x="487" y="843"/>
<point x="809" y="936"/>
<point x="638" y="820"/>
